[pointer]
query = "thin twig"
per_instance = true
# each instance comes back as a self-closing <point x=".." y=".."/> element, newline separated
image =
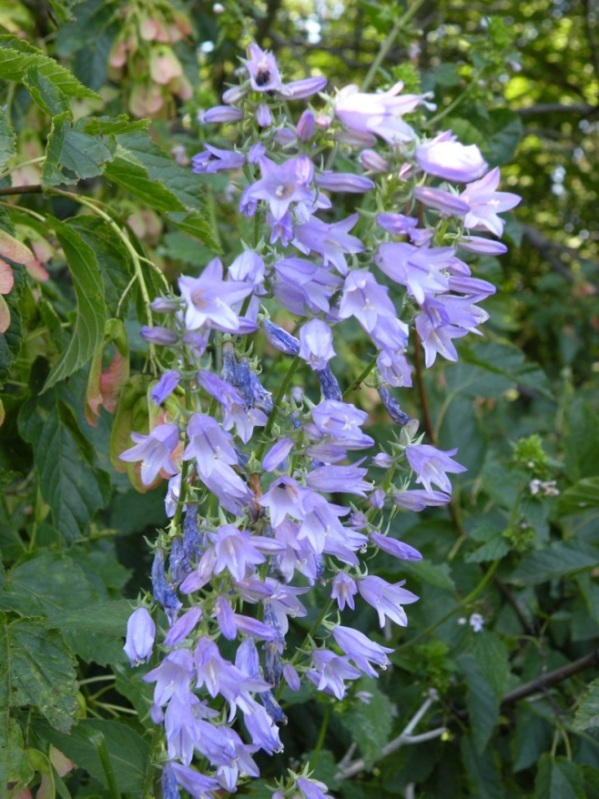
<point x="348" y="769"/>
<point x="551" y="678"/>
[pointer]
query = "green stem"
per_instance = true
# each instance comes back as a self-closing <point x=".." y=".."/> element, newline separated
<point x="470" y="598"/>
<point x="283" y="388"/>
<point x="454" y="103"/>
<point x="321" y="736"/>
<point x="388" y="43"/>
<point x="360" y="378"/>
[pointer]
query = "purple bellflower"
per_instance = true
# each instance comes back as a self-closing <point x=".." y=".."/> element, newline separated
<point x="431" y="465"/>
<point x="446" y="157"/>
<point x="141" y="632"/>
<point x="485" y="202"/>
<point x="281" y="185"/>
<point x="208" y="299"/>
<point x="155" y="452"/>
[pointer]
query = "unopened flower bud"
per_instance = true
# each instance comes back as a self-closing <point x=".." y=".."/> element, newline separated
<point x="344" y="181"/>
<point x="159" y="335"/>
<point x="306" y="126"/>
<point x="222" y="113"/>
<point x="141" y="632"/>
<point x="373" y="161"/>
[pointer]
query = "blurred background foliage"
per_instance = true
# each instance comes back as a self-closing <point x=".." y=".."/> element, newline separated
<point x="518" y="548"/>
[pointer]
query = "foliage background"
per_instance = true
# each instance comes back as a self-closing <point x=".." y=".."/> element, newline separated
<point x="93" y="190"/>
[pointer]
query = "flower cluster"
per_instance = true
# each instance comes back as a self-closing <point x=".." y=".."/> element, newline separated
<point x="276" y="489"/>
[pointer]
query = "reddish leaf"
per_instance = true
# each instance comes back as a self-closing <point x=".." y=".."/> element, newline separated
<point x="15" y="250"/>
<point x="7" y="278"/>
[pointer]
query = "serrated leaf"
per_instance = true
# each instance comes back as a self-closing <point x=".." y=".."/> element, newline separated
<point x="47" y="585"/>
<point x="483" y="702"/>
<point x="114" y="260"/>
<point x="494" y="549"/>
<point x="437" y="574"/>
<point x="108" y="126"/>
<point x="198" y="225"/>
<point x="95" y="633"/>
<point x="581" y="497"/>
<point x="45" y="94"/>
<point x="68" y="483"/>
<point x="129" y="753"/>
<point x="557" y="560"/>
<point x="88" y="330"/>
<point x="73" y="155"/>
<point x="18" y="57"/>
<point x="133" y="177"/>
<point x="40" y="672"/>
<point x="491" y="655"/>
<point x="14" y="765"/>
<point x="532" y="737"/>
<point x="587" y="712"/>
<point x="161" y="168"/>
<point x="7" y="141"/>
<point x="500" y="366"/>
<point x="483" y="771"/>
<point x="558" y="778"/>
<point x="370" y="723"/>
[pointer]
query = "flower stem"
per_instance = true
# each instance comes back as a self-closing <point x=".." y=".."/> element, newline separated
<point x="488" y="576"/>
<point x="388" y="43"/>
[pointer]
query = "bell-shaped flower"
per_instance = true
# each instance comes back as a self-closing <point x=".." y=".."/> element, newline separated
<point x="485" y="202"/>
<point x="432" y="465"/>
<point x="386" y="598"/>
<point x="209" y="299"/>
<point x="155" y="451"/>
<point x="141" y="632"/>
<point x="446" y="157"/>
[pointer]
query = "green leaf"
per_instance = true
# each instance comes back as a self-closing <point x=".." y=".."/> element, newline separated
<point x="17" y="57"/>
<point x="45" y="94"/>
<point x="198" y="225"/>
<point x="14" y="765"/>
<point x="95" y="633"/>
<point x="113" y="258"/>
<point x="11" y="341"/>
<point x="483" y="702"/>
<point x="504" y="133"/>
<point x="558" y="778"/>
<point x="482" y="769"/>
<point x="108" y="126"/>
<point x="492" y="550"/>
<point x="131" y="176"/>
<point x="47" y="585"/>
<point x="587" y="712"/>
<point x="370" y="723"/>
<point x="556" y="560"/>
<point x="128" y="751"/>
<point x="437" y="574"/>
<point x="579" y="498"/>
<point x="40" y="671"/>
<point x="63" y="458"/>
<point x="88" y="330"/>
<point x="161" y="168"/>
<point x="500" y="366"/>
<point x="7" y="141"/>
<point x="73" y="155"/>
<point x="532" y="737"/>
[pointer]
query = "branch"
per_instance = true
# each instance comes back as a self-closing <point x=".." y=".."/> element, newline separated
<point x="37" y="189"/>
<point x="551" y="678"/>
<point x="549" y="250"/>
<point x="348" y="769"/>
<point x="582" y="109"/>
